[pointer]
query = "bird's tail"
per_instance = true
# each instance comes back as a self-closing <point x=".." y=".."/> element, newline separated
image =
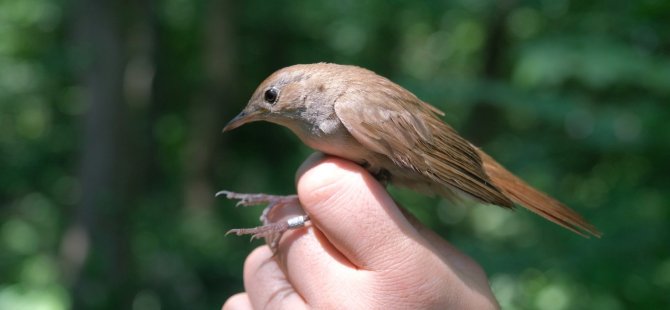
<point x="534" y="200"/>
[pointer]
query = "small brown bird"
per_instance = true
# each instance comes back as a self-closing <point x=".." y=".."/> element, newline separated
<point x="355" y="114"/>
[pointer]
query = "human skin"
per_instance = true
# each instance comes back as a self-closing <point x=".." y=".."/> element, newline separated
<point x="360" y="252"/>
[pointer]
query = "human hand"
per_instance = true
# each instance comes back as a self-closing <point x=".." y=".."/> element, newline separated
<point x="361" y="252"/>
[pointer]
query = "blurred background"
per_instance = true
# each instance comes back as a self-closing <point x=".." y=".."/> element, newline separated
<point x="111" y="147"/>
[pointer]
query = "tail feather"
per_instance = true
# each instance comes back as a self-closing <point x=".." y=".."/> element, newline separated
<point x="534" y="200"/>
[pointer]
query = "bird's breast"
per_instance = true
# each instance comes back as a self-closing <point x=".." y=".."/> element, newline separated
<point x="338" y="143"/>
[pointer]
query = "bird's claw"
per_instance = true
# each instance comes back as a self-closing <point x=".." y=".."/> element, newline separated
<point x="273" y="226"/>
<point x="257" y="199"/>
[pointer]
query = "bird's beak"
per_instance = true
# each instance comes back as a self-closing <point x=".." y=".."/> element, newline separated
<point x="242" y="118"/>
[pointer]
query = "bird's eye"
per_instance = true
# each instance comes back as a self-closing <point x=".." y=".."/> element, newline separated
<point x="271" y="95"/>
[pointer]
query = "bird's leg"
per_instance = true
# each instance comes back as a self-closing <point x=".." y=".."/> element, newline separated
<point x="279" y="216"/>
<point x="380" y="174"/>
<point x="383" y="176"/>
<point x="258" y="199"/>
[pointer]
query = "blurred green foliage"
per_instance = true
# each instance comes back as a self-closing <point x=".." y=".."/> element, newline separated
<point x="110" y="118"/>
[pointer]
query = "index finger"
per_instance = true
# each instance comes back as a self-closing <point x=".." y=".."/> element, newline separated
<point x="356" y="214"/>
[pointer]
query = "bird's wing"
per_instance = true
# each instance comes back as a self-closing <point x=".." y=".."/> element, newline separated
<point x="409" y="132"/>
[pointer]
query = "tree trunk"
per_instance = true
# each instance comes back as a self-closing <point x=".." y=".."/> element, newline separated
<point x="95" y="246"/>
<point x="205" y="117"/>
<point x="485" y="116"/>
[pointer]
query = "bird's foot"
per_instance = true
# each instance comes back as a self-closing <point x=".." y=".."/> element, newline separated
<point x="281" y="214"/>
<point x="258" y="199"/>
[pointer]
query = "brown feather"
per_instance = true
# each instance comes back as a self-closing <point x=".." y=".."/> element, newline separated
<point x="393" y="122"/>
<point x="534" y="200"/>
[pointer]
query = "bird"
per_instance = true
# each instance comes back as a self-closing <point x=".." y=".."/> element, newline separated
<point x="355" y="114"/>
